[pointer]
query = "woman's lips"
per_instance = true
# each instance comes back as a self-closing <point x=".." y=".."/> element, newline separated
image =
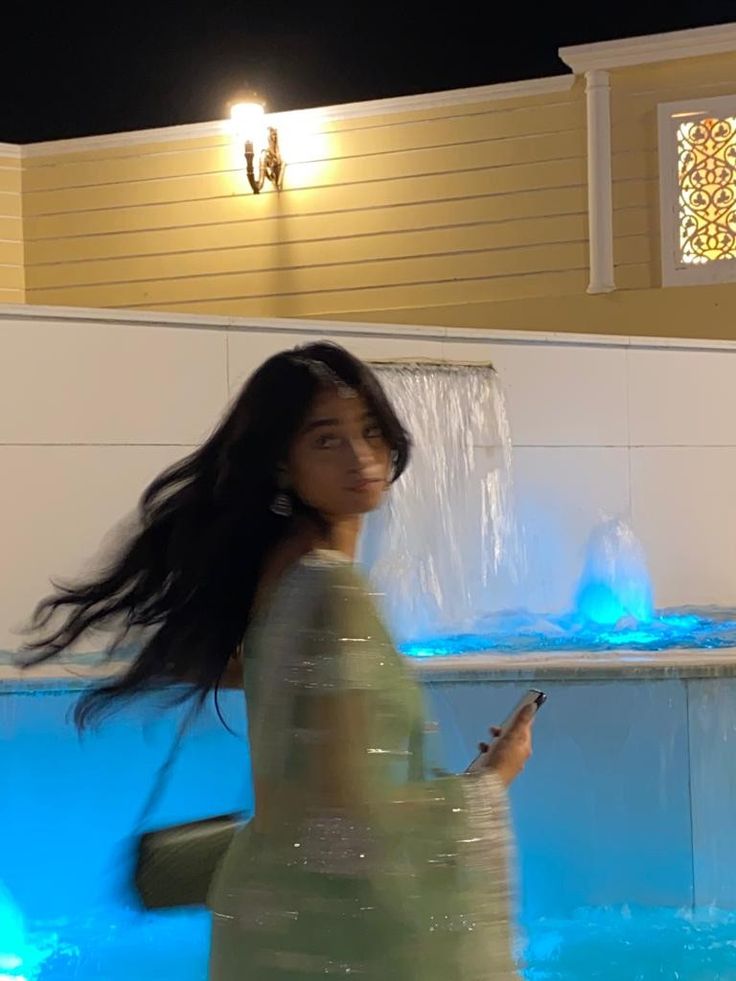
<point x="360" y="486"/>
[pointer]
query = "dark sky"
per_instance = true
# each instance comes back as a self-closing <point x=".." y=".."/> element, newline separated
<point x="68" y="69"/>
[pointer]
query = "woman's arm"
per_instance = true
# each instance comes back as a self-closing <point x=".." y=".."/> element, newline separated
<point x="357" y="719"/>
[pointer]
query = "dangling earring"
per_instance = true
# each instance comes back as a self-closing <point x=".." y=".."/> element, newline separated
<point x="282" y="505"/>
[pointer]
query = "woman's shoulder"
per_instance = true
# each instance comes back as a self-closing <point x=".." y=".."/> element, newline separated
<point x="338" y="585"/>
<point x="328" y="563"/>
<point x="315" y="578"/>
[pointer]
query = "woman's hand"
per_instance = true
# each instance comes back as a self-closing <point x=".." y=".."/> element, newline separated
<point x="508" y="755"/>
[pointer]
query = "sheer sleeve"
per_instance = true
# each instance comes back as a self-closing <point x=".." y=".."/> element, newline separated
<point x="450" y="836"/>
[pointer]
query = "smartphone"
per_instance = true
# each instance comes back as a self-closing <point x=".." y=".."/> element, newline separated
<point x="533" y="697"/>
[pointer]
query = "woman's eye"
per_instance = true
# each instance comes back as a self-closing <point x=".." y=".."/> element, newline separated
<point x="328" y="442"/>
<point x="374" y="432"/>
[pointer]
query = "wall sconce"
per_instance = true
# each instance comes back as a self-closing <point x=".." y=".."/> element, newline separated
<point x="247" y="119"/>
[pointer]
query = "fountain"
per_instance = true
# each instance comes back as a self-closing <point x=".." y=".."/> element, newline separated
<point x="624" y="816"/>
<point x="449" y="535"/>
<point x="448" y="527"/>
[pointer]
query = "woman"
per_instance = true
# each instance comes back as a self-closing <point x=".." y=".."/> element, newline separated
<point x="355" y="863"/>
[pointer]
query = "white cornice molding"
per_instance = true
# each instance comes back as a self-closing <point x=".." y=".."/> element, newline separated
<point x="109" y="317"/>
<point x="607" y="55"/>
<point x="12" y="150"/>
<point x="355" y="110"/>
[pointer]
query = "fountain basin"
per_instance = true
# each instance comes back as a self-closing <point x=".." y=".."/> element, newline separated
<point x="627" y="804"/>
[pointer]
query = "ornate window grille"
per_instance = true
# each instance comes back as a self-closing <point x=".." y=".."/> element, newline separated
<point x="697" y="150"/>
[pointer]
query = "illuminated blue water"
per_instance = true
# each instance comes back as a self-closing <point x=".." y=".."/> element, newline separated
<point x="613" y="609"/>
<point x="689" y="628"/>
<point x="595" y="945"/>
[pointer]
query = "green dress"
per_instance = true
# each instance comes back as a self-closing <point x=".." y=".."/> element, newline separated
<point x="408" y="880"/>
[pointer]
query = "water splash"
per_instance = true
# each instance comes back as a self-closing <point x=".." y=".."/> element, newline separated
<point x="613" y="610"/>
<point x="615" y="585"/>
<point x="22" y="952"/>
<point x="449" y="526"/>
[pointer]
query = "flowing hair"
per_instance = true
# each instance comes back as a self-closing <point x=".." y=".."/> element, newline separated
<point x="186" y="577"/>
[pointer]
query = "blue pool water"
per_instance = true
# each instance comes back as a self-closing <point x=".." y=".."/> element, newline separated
<point x="687" y="628"/>
<point x="594" y="945"/>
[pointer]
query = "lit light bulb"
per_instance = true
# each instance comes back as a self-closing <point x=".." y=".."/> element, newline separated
<point x="247" y="122"/>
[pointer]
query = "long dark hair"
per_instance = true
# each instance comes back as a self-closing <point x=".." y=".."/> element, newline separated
<point x="187" y="576"/>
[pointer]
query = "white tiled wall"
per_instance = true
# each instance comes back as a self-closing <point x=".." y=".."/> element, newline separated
<point x="67" y="382"/>
<point x="692" y="402"/>
<point x="684" y="509"/>
<point x="59" y="502"/>
<point x="94" y="404"/>
<point x="558" y="395"/>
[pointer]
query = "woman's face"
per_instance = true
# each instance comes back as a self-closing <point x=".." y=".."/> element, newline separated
<point x="340" y="463"/>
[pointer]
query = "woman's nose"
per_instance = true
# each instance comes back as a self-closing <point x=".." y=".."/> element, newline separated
<point x="360" y="451"/>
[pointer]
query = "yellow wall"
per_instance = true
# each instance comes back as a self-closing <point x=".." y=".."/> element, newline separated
<point x="473" y="202"/>
<point x="467" y="215"/>
<point x="11" y="231"/>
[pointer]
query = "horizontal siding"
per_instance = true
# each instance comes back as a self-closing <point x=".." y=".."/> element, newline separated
<point x="11" y="253"/>
<point x="698" y="311"/>
<point x="472" y="215"/>
<point x="185" y="215"/>
<point x="12" y="288"/>
<point x="10" y="176"/>
<point x="300" y="254"/>
<point x="368" y="300"/>
<point x="303" y="141"/>
<point x="683" y="74"/>
<point x="319" y="174"/>
<point x="367" y="303"/>
<point x="317" y="276"/>
<point x="437" y="215"/>
<point x="284" y="258"/>
<point x="481" y="197"/>
<point x="10" y="204"/>
<point x="635" y="95"/>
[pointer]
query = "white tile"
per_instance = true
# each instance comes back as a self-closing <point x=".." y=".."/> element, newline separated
<point x="561" y="494"/>
<point x="602" y="811"/>
<point x="249" y="349"/>
<point x="712" y="716"/>
<point x="104" y="383"/>
<point x="684" y="510"/>
<point x="557" y="395"/>
<point x="682" y="397"/>
<point x="56" y="505"/>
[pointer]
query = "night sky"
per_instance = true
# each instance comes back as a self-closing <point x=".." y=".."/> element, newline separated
<point x="72" y="70"/>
